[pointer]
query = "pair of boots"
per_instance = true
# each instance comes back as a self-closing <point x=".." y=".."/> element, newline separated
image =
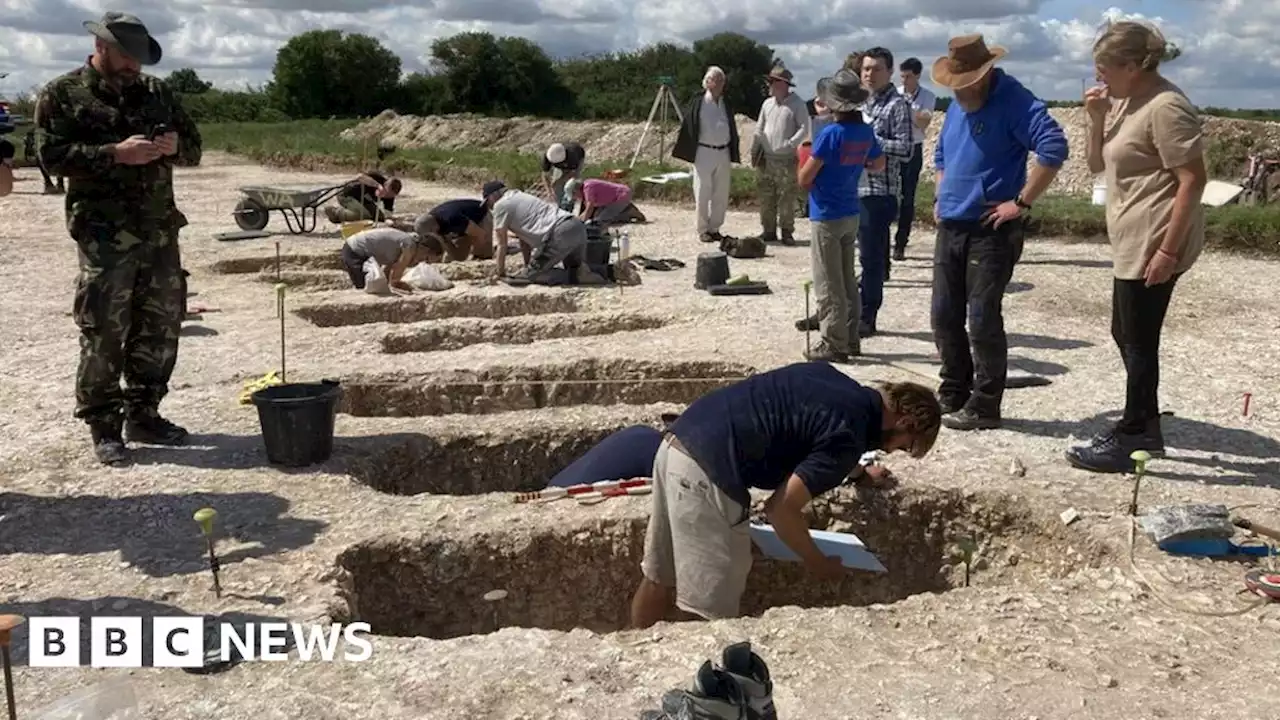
<point x="146" y="428"/>
<point x="739" y="689"/>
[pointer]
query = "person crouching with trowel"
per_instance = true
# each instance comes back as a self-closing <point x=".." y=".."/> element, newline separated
<point x="798" y="431"/>
<point x="394" y="250"/>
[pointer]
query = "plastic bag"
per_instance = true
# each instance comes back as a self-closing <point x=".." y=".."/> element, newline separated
<point x="375" y="282"/>
<point x="425" y="277"/>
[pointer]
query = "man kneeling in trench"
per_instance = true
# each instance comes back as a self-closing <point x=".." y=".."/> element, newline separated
<point x="799" y="431"/>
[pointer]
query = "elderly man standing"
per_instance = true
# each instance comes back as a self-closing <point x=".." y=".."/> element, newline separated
<point x="115" y="133"/>
<point x="782" y="126"/>
<point x="880" y="192"/>
<point x="922" y="103"/>
<point x="708" y="138"/>
<point x="984" y="191"/>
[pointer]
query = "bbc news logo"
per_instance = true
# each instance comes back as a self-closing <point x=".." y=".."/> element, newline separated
<point x="189" y="642"/>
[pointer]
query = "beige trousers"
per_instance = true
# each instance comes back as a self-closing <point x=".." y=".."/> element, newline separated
<point x="711" y="177"/>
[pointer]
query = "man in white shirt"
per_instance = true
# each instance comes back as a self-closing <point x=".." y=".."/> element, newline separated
<point x="708" y="138"/>
<point x="548" y="236"/>
<point x="923" y="102"/>
<point x="782" y="126"/>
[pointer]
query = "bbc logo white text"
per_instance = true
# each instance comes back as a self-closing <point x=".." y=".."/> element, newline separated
<point x="181" y="641"/>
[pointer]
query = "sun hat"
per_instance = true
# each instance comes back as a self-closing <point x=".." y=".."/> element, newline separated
<point x="967" y="61"/>
<point x="844" y="92"/>
<point x="127" y="33"/>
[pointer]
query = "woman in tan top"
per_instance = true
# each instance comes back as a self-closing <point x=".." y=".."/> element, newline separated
<point x="1146" y="136"/>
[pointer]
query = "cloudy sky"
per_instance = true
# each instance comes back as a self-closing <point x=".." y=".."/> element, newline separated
<point x="1229" y="45"/>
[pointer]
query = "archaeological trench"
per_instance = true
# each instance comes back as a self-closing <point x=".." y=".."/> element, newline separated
<point x="582" y="575"/>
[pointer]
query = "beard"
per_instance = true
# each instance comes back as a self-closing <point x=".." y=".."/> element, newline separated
<point x="121" y="73"/>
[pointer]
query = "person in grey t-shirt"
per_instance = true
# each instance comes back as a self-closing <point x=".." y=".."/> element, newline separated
<point x="548" y="236"/>
<point x="395" y="250"/>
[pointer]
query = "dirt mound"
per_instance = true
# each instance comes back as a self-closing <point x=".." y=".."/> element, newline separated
<point x="616" y="141"/>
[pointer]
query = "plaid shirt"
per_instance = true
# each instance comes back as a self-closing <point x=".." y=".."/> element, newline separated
<point x="889" y="114"/>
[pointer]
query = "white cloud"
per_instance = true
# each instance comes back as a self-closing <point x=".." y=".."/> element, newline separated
<point x="1228" y="54"/>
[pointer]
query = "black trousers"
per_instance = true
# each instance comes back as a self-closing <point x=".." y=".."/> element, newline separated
<point x="972" y="266"/>
<point x="1137" y="317"/>
<point x="910" y="182"/>
<point x="354" y="264"/>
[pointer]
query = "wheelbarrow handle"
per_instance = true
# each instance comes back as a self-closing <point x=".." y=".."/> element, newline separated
<point x="1256" y="528"/>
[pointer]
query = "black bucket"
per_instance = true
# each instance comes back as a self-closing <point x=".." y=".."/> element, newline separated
<point x="297" y="421"/>
<point x="599" y="244"/>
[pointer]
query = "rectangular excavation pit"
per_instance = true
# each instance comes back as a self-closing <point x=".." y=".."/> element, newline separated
<point x="322" y="280"/>
<point x="519" y="461"/>
<point x="459" y="333"/>
<point x="561" y="578"/>
<point x="418" y="309"/>
<point x="505" y="389"/>
<point x="289" y="261"/>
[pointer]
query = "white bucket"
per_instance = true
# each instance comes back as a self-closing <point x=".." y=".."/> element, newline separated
<point x="1100" y="192"/>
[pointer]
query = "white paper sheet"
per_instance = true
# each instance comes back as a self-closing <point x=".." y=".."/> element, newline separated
<point x="845" y="546"/>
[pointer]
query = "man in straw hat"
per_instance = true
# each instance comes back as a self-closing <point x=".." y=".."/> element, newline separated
<point x="116" y="134"/>
<point x="983" y="193"/>
<point x="782" y="126"/>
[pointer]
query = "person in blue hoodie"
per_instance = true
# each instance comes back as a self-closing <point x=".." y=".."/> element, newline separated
<point x="984" y="192"/>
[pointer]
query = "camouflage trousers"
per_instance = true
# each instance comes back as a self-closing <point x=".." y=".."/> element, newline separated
<point x="129" y="307"/>
<point x="778" y="192"/>
<point x="350" y="210"/>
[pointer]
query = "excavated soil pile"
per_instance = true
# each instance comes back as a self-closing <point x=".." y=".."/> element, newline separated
<point x="617" y="141"/>
<point x="503" y="389"/>
<point x="459" y="333"/>
<point x="417" y="309"/>
<point x="411" y="464"/>
<point x="583" y="576"/>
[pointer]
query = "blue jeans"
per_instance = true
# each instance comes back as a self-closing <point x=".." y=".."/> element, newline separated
<point x="910" y="181"/>
<point x="877" y="213"/>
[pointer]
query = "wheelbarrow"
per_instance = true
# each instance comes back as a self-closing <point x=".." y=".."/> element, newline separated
<point x="299" y="205"/>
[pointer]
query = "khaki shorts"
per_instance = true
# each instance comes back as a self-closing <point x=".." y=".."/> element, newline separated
<point x="698" y="540"/>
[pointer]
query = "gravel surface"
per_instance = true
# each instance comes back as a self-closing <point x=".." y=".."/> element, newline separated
<point x="1093" y="642"/>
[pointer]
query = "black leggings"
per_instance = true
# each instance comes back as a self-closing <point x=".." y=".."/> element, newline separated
<point x="1137" y="317"/>
<point x="354" y="264"/>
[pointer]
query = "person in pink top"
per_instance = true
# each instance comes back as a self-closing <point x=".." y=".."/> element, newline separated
<point x="607" y="203"/>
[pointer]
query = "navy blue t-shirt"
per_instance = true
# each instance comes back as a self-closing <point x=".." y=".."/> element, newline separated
<point x="452" y="216"/>
<point x="809" y="419"/>
<point x="623" y="455"/>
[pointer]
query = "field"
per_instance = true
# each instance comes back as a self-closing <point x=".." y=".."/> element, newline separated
<point x="454" y="400"/>
<point x="319" y="145"/>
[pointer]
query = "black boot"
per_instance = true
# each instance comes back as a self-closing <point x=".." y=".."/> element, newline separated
<point x="769" y="237"/>
<point x="752" y="675"/>
<point x="108" y="445"/>
<point x="1109" y="452"/>
<point x="809" y="323"/>
<point x="149" y="428"/>
<point x="788" y="238"/>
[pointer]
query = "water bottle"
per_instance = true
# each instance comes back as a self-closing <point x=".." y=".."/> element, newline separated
<point x="624" y="245"/>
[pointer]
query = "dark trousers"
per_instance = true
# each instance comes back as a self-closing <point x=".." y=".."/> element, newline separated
<point x="354" y="264"/>
<point x="910" y="181"/>
<point x="1137" y="317"/>
<point x="129" y="306"/>
<point x="972" y="266"/>
<point x="875" y="214"/>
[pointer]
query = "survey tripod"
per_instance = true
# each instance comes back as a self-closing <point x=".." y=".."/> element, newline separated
<point x="665" y="98"/>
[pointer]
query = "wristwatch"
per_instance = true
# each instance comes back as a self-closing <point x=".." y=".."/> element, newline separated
<point x="1021" y="203"/>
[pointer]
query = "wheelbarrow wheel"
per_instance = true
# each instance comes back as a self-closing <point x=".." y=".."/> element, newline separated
<point x="251" y="214"/>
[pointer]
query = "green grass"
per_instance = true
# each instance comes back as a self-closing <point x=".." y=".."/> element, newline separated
<point x="314" y="145"/>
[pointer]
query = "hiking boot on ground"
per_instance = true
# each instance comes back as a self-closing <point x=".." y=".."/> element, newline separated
<point x="625" y="273"/>
<point x="715" y="695"/>
<point x="583" y="275"/>
<point x="331" y="212"/>
<point x="866" y="329"/>
<point x="151" y="429"/>
<point x="1109" y="452"/>
<point x="53" y="190"/>
<point x="788" y="239"/>
<point x="970" y="419"/>
<point x="752" y="675"/>
<point x="952" y="405"/>
<point x="810" y="323"/>
<point x="707" y="237"/>
<point x="899" y="254"/>
<point x="769" y="237"/>
<point x="108" y="445"/>
<point x="822" y="352"/>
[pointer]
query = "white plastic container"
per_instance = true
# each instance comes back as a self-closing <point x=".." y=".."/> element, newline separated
<point x="1100" y="191"/>
<point x="624" y="245"/>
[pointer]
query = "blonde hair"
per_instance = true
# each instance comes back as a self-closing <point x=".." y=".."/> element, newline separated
<point x="1126" y="41"/>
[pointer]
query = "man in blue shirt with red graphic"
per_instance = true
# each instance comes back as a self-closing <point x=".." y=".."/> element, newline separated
<point x="983" y="191"/>
<point x="840" y="153"/>
<point x="798" y="431"/>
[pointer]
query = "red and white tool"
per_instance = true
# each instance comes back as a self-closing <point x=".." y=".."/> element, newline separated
<point x="594" y="498"/>
<point x="556" y="493"/>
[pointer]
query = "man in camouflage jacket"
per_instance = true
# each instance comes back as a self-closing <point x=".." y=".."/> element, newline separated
<point x="115" y="134"/>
